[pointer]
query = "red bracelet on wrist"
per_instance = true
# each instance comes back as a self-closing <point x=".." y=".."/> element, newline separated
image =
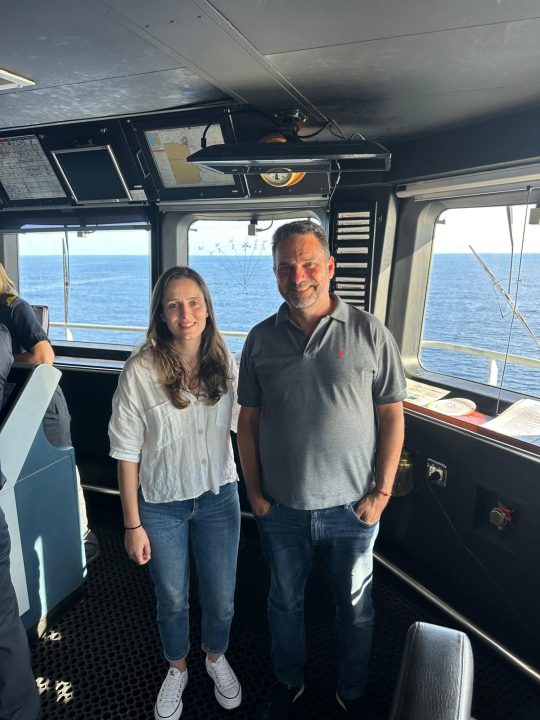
<point x="381" y="492"/>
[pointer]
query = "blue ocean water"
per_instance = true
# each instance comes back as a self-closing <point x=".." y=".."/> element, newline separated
<point x="115" y="290"/>
<point x="463" y="307"/>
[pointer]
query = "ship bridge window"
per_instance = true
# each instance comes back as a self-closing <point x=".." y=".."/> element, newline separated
<point x="235" y="260"/>
<point x="482" y="316"/>
<point x="96" y="282"/>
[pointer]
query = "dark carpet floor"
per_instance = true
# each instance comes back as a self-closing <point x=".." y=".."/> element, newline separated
<point x="101" y="659"/>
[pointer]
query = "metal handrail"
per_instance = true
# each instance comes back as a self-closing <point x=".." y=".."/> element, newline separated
<point x="492" y="355"/>
<point x="132" y="328"/>
<point x="92" y="326"/>
<point x="481" y="352"/>
<point x="432" y="344"/>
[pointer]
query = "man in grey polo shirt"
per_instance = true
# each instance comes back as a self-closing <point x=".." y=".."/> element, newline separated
<point x="320" y="435"/>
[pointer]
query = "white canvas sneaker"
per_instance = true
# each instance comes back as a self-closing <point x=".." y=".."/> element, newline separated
<point x="227" y="688"/>
<point x="169" y="701"/>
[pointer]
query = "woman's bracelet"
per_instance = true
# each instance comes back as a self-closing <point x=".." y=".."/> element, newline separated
<point x="135" y="527"/>
<point x="381" y="492"/>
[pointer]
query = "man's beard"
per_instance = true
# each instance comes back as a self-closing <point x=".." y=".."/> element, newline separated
<point x="299" y="302"/>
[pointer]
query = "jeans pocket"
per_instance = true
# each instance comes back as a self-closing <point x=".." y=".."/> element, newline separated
<point x="361" y="522"/>
<point x="268" y="514"/>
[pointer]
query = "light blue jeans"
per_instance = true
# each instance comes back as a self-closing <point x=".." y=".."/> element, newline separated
<point x="211" y="524"/>
<point x="288" y="538"/>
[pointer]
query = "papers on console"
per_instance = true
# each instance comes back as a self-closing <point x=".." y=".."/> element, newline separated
<point x="421" y="394"/>
<point x="521" y="420"/>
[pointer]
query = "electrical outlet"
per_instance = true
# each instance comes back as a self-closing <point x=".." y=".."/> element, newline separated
<point x="436" y="472"/>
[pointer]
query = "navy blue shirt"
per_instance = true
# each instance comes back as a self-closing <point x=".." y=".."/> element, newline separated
<point x="6" y="361"/>
<point x="21" y="321"/>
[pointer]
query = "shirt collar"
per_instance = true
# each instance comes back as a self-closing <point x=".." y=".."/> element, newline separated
<point x="340" y="312"/>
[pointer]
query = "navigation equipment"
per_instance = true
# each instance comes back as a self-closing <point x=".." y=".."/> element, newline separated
<point x="25" y="171"/>
<point x="92" y="174"/>
<point x="166" y="147"/>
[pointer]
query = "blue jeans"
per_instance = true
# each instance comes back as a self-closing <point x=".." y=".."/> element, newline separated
<point x="212" y="524"/>
<point x="288" y="539"/>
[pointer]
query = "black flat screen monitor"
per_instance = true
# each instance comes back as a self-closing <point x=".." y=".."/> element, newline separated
<point x="92" y="174"/>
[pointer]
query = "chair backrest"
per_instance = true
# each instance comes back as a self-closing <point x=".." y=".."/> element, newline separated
<point x="42" y="314"/>
<point x="436" y="677"/>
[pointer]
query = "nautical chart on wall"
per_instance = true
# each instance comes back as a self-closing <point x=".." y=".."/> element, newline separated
<point x="171" y="146"/>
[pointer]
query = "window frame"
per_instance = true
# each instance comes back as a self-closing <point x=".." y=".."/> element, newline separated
<point x="53" y="222"/>
<point x="262" y="217"/>
<point x="409" y="285"/>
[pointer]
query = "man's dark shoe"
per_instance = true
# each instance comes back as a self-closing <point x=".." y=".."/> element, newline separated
<point x="351" y="707"/>
<point x="278" y="703"/>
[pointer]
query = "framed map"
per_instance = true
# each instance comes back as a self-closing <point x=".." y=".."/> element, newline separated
<point x="171" y="146"/>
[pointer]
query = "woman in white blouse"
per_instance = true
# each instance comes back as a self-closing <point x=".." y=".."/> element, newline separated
<point x="170" y="432"/>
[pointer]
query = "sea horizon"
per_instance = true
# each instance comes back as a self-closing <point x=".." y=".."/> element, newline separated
<point x="463" y="306"/>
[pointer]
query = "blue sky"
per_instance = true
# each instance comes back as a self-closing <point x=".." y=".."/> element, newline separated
<point x="486" y="229"/>
<point x="102" y="242"/>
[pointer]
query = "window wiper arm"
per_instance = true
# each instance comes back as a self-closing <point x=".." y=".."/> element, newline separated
<point x="512" y="305"/>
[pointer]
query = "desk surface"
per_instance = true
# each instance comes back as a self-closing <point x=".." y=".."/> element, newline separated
<point x="474" y="423"/>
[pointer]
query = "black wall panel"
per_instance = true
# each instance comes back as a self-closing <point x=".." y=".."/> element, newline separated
<point x="442" y="536"/>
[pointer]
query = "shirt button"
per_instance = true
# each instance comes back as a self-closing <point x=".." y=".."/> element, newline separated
<point x="197" y="402"/>
<point x="204" y="461"/>
<point x="200" y="431"/>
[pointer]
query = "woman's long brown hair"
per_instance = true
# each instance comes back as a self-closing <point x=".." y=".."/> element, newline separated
<point x="213" y="369"/>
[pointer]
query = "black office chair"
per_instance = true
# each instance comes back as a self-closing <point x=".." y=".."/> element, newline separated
<point x="436" y="676"/>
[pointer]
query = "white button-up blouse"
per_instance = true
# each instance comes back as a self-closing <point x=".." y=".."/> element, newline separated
<point x="181" y="453"/>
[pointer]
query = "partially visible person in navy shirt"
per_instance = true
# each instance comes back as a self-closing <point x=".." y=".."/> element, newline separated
<point x="30" y="344"/>
<point x="19" y="699"/>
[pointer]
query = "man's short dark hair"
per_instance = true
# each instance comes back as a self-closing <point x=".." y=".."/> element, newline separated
<point x="300" y="227"/>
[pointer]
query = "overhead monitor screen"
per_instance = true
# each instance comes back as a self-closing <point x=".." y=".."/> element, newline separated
<point x="171" y="146"/>
<point x="92" y="173"/>
<point x="25" y="171"/>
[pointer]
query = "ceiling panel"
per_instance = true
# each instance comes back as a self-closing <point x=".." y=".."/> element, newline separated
<point x="275" y="26"/>
<point x="436" y="70"/>
<point x="389" y="119"/>
<point x="58" y="43"/>
<point x="392" y="68"/>
<point x="194" y="31"/>
<point x="86" y="63"/>
<point x="105" y="98"/>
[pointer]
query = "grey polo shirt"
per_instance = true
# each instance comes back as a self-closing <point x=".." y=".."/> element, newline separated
<point x="318" y="429"/>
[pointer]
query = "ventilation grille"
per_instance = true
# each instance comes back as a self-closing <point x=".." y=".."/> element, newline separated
<point x="353" y="251"/>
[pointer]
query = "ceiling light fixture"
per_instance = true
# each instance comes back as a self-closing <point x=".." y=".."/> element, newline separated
<point x="10" y="81"/>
